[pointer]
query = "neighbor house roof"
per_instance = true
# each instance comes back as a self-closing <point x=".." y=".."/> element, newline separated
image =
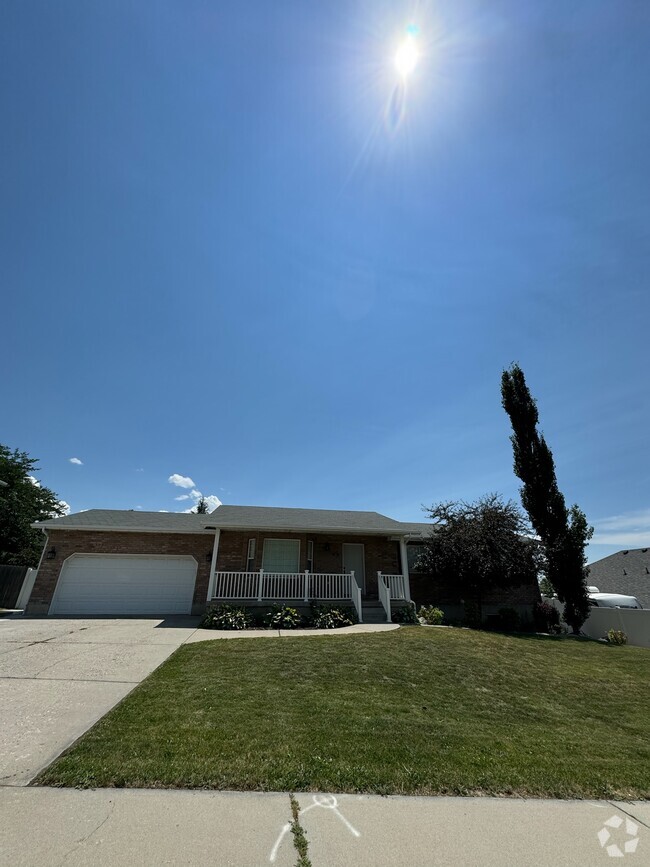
<point x="236" y="518"/>
<point x="626" y="572"/>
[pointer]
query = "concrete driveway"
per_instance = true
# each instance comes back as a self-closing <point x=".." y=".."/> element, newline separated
<point x="58" y="677"/>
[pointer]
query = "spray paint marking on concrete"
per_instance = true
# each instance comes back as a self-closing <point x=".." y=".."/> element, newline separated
<point x="328" y="802"/>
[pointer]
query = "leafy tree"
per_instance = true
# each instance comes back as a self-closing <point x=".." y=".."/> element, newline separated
<point x="22" y="502"/>
<point x="546" y="588"/>
<point x="202" y="507"/>
<point x="564" y="533"/>
<point x="479" y="546"/>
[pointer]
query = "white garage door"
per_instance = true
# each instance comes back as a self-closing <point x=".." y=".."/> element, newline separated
<point x="117" y="585"/>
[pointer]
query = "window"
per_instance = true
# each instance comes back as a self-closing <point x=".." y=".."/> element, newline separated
<point x="310" y="556"/>
<point x="281" y="555"/>
<point x="413" y="555"/>
<point x="250" y="558"/>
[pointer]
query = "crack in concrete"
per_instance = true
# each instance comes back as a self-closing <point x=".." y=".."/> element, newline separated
<point x="80" y="842"/>
<point x="627" y="813"/>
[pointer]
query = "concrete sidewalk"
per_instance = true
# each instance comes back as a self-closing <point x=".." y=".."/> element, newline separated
<point x="42" y="827"/>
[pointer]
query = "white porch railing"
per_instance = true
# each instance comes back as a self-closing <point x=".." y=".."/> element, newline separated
<point x="384" y="595"/>
<point x="391" y="587"/>
<point x="397" y="586"/>
<point x="290" y="586"/>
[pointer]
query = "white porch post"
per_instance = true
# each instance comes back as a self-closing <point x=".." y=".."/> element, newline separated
<point x="306" y="585"/>
<point x="260" y="585"/>
<point x="405" y="569"/>
<point x="213" y="564"/>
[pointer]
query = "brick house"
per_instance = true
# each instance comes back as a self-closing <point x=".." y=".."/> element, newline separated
<point x="113" y="562"/>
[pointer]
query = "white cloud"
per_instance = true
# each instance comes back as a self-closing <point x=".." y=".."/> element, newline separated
<point x="65" y="506"/>
<point x="631" y="530"/>
<point x="140" y="470"/>
<point x="180" y="481"/>
<point x="76" y="461"/>
<point x="34" y="481"/>
<point x="183" y="497"/>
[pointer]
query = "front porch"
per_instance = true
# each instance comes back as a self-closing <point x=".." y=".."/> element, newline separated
<point x="251" y="589"/>
<point x="367" y="572"/>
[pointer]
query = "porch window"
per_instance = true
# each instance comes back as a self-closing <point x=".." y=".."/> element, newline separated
<point x="281" y="555"/>
<point x="414" y="556"/>
<point x="250" y="557"/>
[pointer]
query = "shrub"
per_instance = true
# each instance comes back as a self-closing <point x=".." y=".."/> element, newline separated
<point x="282" y="617"/>
<point x="472" y="611"/>
<point x="508" y="619"/>
<point x="226" y="617"/>
<point x="616" y="636"/>
<point x="547" y="618"/>
<point x="431" y="615"/>
<point x="323" y="617"/>
<point x="405" y="614"/>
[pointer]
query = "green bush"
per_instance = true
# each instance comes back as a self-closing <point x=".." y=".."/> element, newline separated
<point x="226" y="617"/>
<point x="323" y="617"/>
<point x="283" y="617"/>
<point x="431" y="615"/>
<point x="616" y="636"/>
<point x="546" y="618"/>
<point x="473" y="614"/>
<point x="405" y="614"/>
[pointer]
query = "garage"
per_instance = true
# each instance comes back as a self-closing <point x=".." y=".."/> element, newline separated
<point x="114" y="584"/>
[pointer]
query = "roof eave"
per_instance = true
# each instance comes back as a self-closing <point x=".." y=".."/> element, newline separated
<point x="343" y="531"/>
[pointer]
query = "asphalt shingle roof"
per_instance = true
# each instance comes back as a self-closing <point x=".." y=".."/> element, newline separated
<point x="122" y="519"/>
<point x="626" y="572"/>
<point x="236" y="517"/>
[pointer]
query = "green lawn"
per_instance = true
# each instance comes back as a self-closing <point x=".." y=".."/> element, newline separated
<point x="415" y="711"/>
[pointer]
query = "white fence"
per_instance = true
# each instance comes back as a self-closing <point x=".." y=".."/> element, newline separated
<point x="635" y="623"/>
<point x="26" y="589"/>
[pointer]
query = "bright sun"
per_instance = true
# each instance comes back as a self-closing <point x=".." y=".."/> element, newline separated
<point x="407" y="56"/>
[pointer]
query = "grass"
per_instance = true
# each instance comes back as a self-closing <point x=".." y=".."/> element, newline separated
<point x="415" y="711"/>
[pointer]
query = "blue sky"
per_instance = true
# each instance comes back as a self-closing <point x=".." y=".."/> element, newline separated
<point x="235" y="249"/>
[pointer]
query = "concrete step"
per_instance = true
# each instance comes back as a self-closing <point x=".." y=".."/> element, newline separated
<point x="373" y="613"/>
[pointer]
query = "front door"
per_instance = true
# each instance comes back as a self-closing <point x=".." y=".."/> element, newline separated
<point x="354" y="560"/>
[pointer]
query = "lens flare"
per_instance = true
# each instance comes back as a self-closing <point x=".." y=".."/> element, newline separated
<point x="407" y="54"/>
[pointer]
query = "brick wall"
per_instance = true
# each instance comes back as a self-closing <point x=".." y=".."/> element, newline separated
<point x="86" y="542"/>
<point x="380" y="554"/>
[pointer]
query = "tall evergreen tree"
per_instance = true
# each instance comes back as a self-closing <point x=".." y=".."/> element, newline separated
<point x="564" y="533"/>
<point x="202" y="507"/>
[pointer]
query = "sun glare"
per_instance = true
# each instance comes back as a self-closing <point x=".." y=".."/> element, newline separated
<point x="407" y="56"/>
